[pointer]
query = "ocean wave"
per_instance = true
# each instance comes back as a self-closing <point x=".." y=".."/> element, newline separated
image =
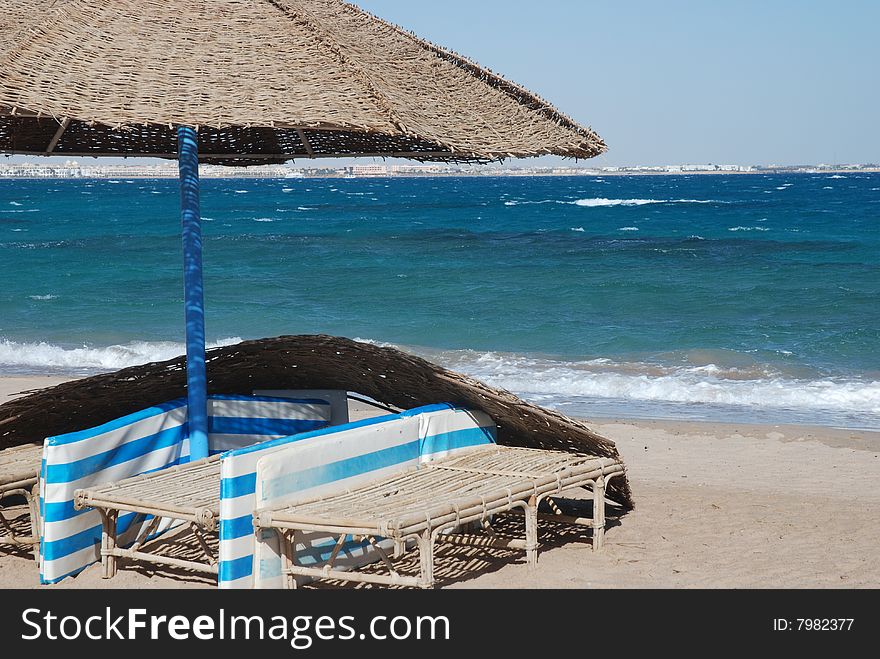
<point x="628" y="229"/>
<point x="748" y="229"/>
<point x="40" y="357"/>
<point x="598" y="202"/>
<point x="602" y="202"/>
<point x="704" y="384"/>
<point x="555" y="382"/>
<point x="43" y="297"/>
<point x="520" y="202"/>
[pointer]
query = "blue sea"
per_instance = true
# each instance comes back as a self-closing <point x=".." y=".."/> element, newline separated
<point x="729" y="298"/>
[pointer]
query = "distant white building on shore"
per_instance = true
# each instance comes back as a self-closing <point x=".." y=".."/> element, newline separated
<point x="369" y="170"/>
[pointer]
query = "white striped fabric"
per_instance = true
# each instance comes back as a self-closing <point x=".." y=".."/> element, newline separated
<point x="443" y="432"/>
<point x="326" y="463"/>
<point x="237" y="488"/>
<point x="335" y="460"/>
<point x="145" y="441"/>
<point x="337" y="398"/>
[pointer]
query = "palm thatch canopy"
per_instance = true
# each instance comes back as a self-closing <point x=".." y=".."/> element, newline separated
<point x="300" y="362"/>
<point x="263" y="80"/>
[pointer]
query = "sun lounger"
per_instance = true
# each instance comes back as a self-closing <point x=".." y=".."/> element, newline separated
<point x="19" y="474"/>
<point x="187" y="494"/>
<point x="425" y="503"/>
<point x="211" y="496"/>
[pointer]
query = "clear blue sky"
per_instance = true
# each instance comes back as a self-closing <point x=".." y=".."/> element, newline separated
<point x="677" y="81"/>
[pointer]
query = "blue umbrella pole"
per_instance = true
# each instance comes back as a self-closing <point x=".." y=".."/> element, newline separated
<point x="196" y="373"/>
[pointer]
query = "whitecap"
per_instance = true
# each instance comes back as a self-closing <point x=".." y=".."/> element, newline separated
<point x="628" y="229"/>
<point x="748" y="229"/>
<point x="43" y="297"/>
<point x="578" y="229"/>
<point x="601" y="201"/>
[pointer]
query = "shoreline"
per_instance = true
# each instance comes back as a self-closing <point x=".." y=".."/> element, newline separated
<point x="718" y="505"/>
<point x="14" y="386"/>
<point x="463" y="174"/>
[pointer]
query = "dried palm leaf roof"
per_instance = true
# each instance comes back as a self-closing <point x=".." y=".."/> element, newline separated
<point x="300" y="362"/>
<point x="264" y="80"/>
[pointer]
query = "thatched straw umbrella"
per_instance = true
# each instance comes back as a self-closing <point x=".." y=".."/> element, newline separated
<point x="246" y="82"/>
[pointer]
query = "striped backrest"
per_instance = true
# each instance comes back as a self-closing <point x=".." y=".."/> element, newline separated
<point x="135" y="444"/>
<point x="149" y="440"/>
<point x="338" y="399"/>
<point x="446" y="429"/>
<point x="238" y="486"/>
<point x="239" y="421"/>
<point x="334" y="460"/>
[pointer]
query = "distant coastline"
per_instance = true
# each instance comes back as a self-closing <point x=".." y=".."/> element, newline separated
<point x="76" y="170"/>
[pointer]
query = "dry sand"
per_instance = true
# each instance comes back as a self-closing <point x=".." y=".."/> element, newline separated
<point x="717" y="505"/>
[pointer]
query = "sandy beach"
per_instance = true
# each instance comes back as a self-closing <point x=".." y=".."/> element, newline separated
<point x="717" y="505"/>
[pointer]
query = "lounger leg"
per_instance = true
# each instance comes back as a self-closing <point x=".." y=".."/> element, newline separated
<point x="291" y="556"/>
<point x="426" y="559"/>
<point x="287" y="551"/>
<point x="108" y="542"/>
<point x="34" y="507"/>
<point x="599" y="514"/>
<point x="532" y="532"/>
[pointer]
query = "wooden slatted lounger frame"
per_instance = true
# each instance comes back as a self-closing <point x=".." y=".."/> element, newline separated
<point x="423" y="503"/>
<point x="189" y="493"/>
<point x="19" y="475"/>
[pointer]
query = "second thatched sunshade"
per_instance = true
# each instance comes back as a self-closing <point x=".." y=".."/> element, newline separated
<point x="247" y="82"/>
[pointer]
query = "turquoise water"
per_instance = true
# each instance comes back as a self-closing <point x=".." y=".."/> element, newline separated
<point x="741" y="297"/>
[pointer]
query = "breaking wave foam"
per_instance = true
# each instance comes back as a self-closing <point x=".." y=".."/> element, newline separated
<point x="47" y="357"/>
<point x="707" y="384"/>
<point x="758" y="386"/>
